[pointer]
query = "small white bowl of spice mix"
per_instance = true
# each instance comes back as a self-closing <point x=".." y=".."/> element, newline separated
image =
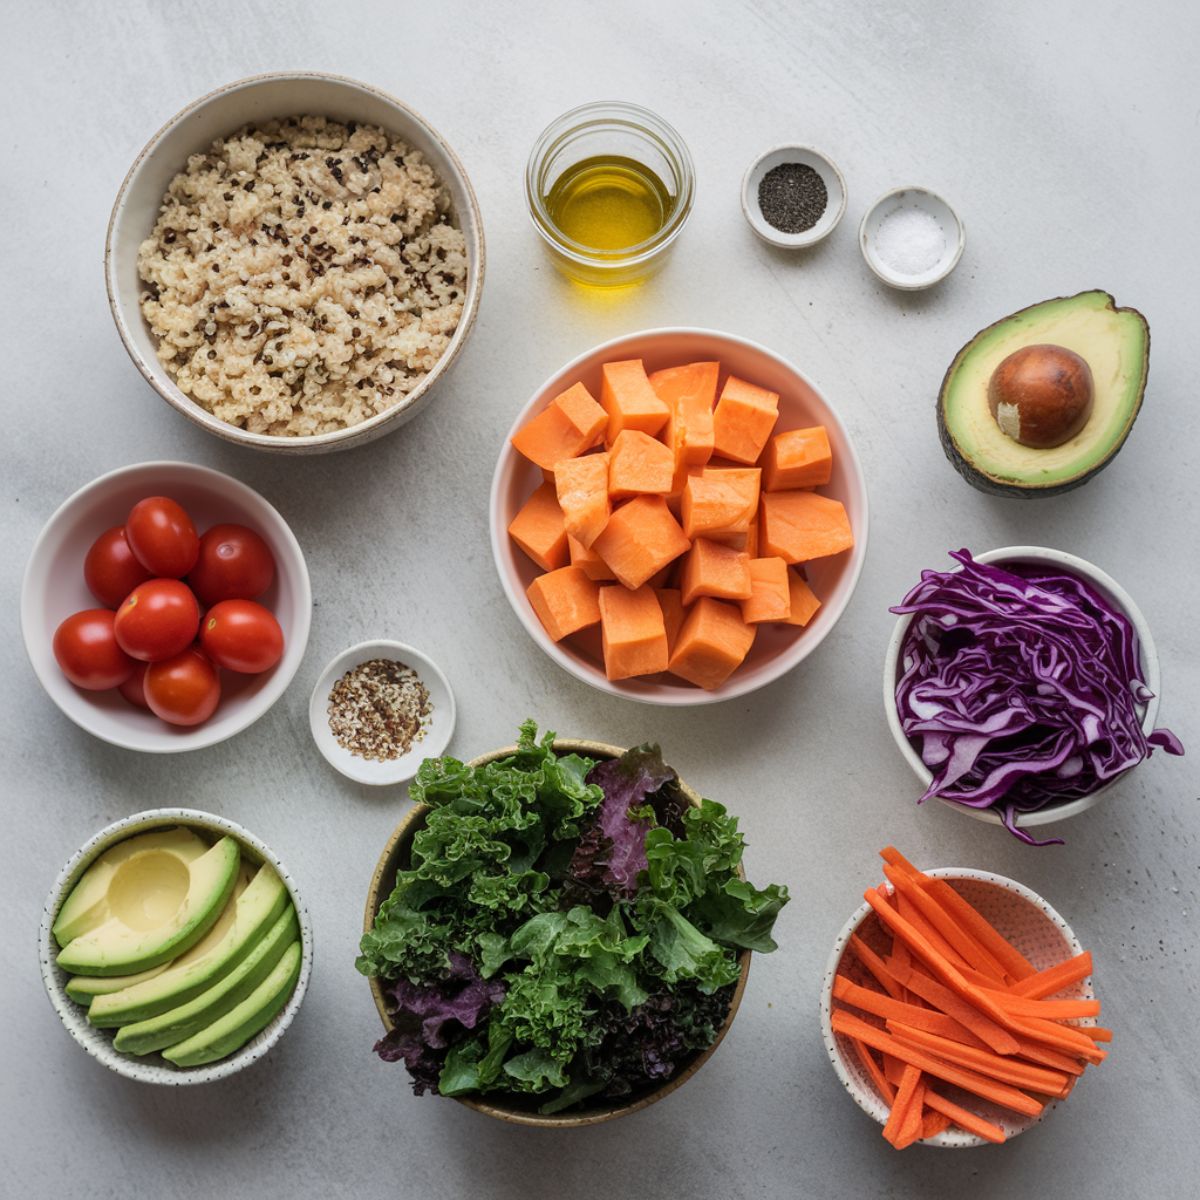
<point x="793" y="196"/>
<point x="379" y="709"/>
<point x="911" y="238"/>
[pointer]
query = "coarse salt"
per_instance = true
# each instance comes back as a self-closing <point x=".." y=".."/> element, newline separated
<point x="910" y="241"/>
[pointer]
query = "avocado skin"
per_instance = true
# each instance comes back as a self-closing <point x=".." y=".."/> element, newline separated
<point x="1015" y="491"/>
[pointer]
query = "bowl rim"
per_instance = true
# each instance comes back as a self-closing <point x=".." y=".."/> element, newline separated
<point x="372" y="426"/>
<point x="73" y="1015"/>
<point x="413" y="658"/>
<point x="868" y="1101"/>
<point x="1091" y="573"/>
<point x="904" y="283"/>
<point x="691" y="697"/>
<point x="204" y="735"/>
<point x="403" y="834"/>
<point x="763" y="228"/>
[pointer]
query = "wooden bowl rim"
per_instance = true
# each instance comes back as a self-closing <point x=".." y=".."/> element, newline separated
<point x="403" y="834"/>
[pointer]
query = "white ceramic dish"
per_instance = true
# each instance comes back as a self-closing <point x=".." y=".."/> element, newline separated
<point x="935" y="206"/>
<point x="777" y="649"/>
<point x="53" y="588"/>
<point x="431" y="745"/>
<point x="220" y="113"/>
<point x="835" y="186"/>
<point x="99" y="1042"/>
<point x="1103" y="583"/>
<point x="1020" y="915"/>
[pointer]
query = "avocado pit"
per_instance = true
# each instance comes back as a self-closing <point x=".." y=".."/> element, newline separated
<point x="1042" y="395"/>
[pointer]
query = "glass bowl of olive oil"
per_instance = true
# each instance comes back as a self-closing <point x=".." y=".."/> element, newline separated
<point x="609" y="186"/>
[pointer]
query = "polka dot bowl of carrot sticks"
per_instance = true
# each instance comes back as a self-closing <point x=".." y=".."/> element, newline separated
<point x="957" y="1007"/>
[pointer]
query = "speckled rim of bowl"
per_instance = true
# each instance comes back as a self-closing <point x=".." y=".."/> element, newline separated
<point x="385" y="870"/>
<point x="822" y="228"/>
<point x="374" y="426"/>
<point x="433" y="744"/>
<point x="1105" y="583"/>
<point x="869" y="1101"/>
<point x="905" y="283"/>
<point x="99" y="1042"/>
<point x="734" y="687"/>
<point x="208" y="733"/>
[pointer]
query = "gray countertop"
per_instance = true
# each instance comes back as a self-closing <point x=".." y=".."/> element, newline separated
<point x="1066" y="137"/>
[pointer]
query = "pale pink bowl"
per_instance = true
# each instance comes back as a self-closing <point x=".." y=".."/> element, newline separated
<point x="778" y="648"/>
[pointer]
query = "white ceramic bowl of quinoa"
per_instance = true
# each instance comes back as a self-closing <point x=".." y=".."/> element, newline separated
<point x="308" y="281"/>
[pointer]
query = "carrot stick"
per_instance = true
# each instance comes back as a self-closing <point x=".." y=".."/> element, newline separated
<point x="1096" y="1032"/>
<point x="898" y="1117"/>
<point x="910" y="1127"/>
<point x="938" y="965"/>
<point x="884" y="1006"/>
<point x="893" y="1069"/>
<point x="1056" y="978"/>
<point x="964" y="1118"/>
<point x="968" y="949"/>
<point x="1052" y="1010"/>
<point x="970" y="1081"/>
<point x="1046" y="1057"/>
<point x="993" y="1035"/>
<point x="1007" y="1070"/>
<point x="933" y="1123"/>
<point x="904" y="905"/>
<point x="1013" y="961"/>
<point x="874" y="965"/>
<point x="1059" y="1037"/>
<point x="872" y="1068"/>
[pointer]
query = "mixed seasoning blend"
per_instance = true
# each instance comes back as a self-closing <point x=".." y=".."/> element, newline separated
<point x="379" y="709"/>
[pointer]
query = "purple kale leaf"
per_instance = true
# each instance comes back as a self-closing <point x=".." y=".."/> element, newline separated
<point x="612" y="849"/>
<point x="429" y="1018"/>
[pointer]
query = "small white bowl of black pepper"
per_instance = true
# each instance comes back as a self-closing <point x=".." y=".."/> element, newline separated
<point x="380" y="708"/>
<point x="793" y="196"/>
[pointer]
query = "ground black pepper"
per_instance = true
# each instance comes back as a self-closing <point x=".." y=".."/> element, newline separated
<point x="792" y="197"/>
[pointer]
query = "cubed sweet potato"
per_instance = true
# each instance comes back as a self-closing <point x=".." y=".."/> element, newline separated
<point x="570" y="424"/>
<point x="797" y="458"/>
<point x="770" y="597"/>
<point x="689" y="393"/>
<point x="712" y="644"/>
<point x="582" y="488"/>
<point x="804" y="602"/>
<point x="634" y="632"/>
<point x="744" y="418"/>
<point x="565" y="601"/>
<point x="629" y="400"/>
<point x="720" y="500"/>
<point x="639" y="465"/>
<point x="641" y="538"/>
<point x="712" y="569"/>
<point x="799" y="526"/>
<point x="539" y="529"/>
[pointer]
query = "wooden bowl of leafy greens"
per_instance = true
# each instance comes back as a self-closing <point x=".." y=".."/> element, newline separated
<point x="559" y="933"/>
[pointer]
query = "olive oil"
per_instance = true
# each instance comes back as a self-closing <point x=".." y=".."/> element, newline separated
<point x="609" y="203"/>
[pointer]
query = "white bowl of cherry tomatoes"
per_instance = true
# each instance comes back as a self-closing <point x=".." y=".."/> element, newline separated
<point x="165" y="607"/>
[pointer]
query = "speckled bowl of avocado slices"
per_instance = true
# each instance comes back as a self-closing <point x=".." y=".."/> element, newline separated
<point x="175" y="947"/>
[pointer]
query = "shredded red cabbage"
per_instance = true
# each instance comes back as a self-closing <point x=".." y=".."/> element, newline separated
<point x="1021" y="686"/>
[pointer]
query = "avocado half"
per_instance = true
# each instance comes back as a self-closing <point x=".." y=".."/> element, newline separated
<point x="1115" y="343"/>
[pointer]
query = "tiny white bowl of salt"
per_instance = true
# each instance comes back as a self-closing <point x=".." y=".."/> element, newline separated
<point x="911" y="238"/>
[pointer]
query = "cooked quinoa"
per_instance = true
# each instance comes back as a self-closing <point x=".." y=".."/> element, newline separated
<point x="303" y="275"/>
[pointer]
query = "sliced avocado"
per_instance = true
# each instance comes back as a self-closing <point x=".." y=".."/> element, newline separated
<point x="240" y="1024"/>
<point x="85" y="988"/>
<point x="158" y="906"/>
<point x="85" y="907"/>
<point x="1114" y="342"/>
<point x="241" y="925"/>
<point x="180" y="1023"/>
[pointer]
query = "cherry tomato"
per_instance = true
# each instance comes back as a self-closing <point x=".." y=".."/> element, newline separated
<point x="240" y="635"/>
<point x="234" y="564"/>
<point x="134" y="688"/>
<point x="110" y="570"/>
<point x="162" y="537"/>
<point x="87" y="651"/>
<point x="183" y="690"/>
<point x="157" y="620"/>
